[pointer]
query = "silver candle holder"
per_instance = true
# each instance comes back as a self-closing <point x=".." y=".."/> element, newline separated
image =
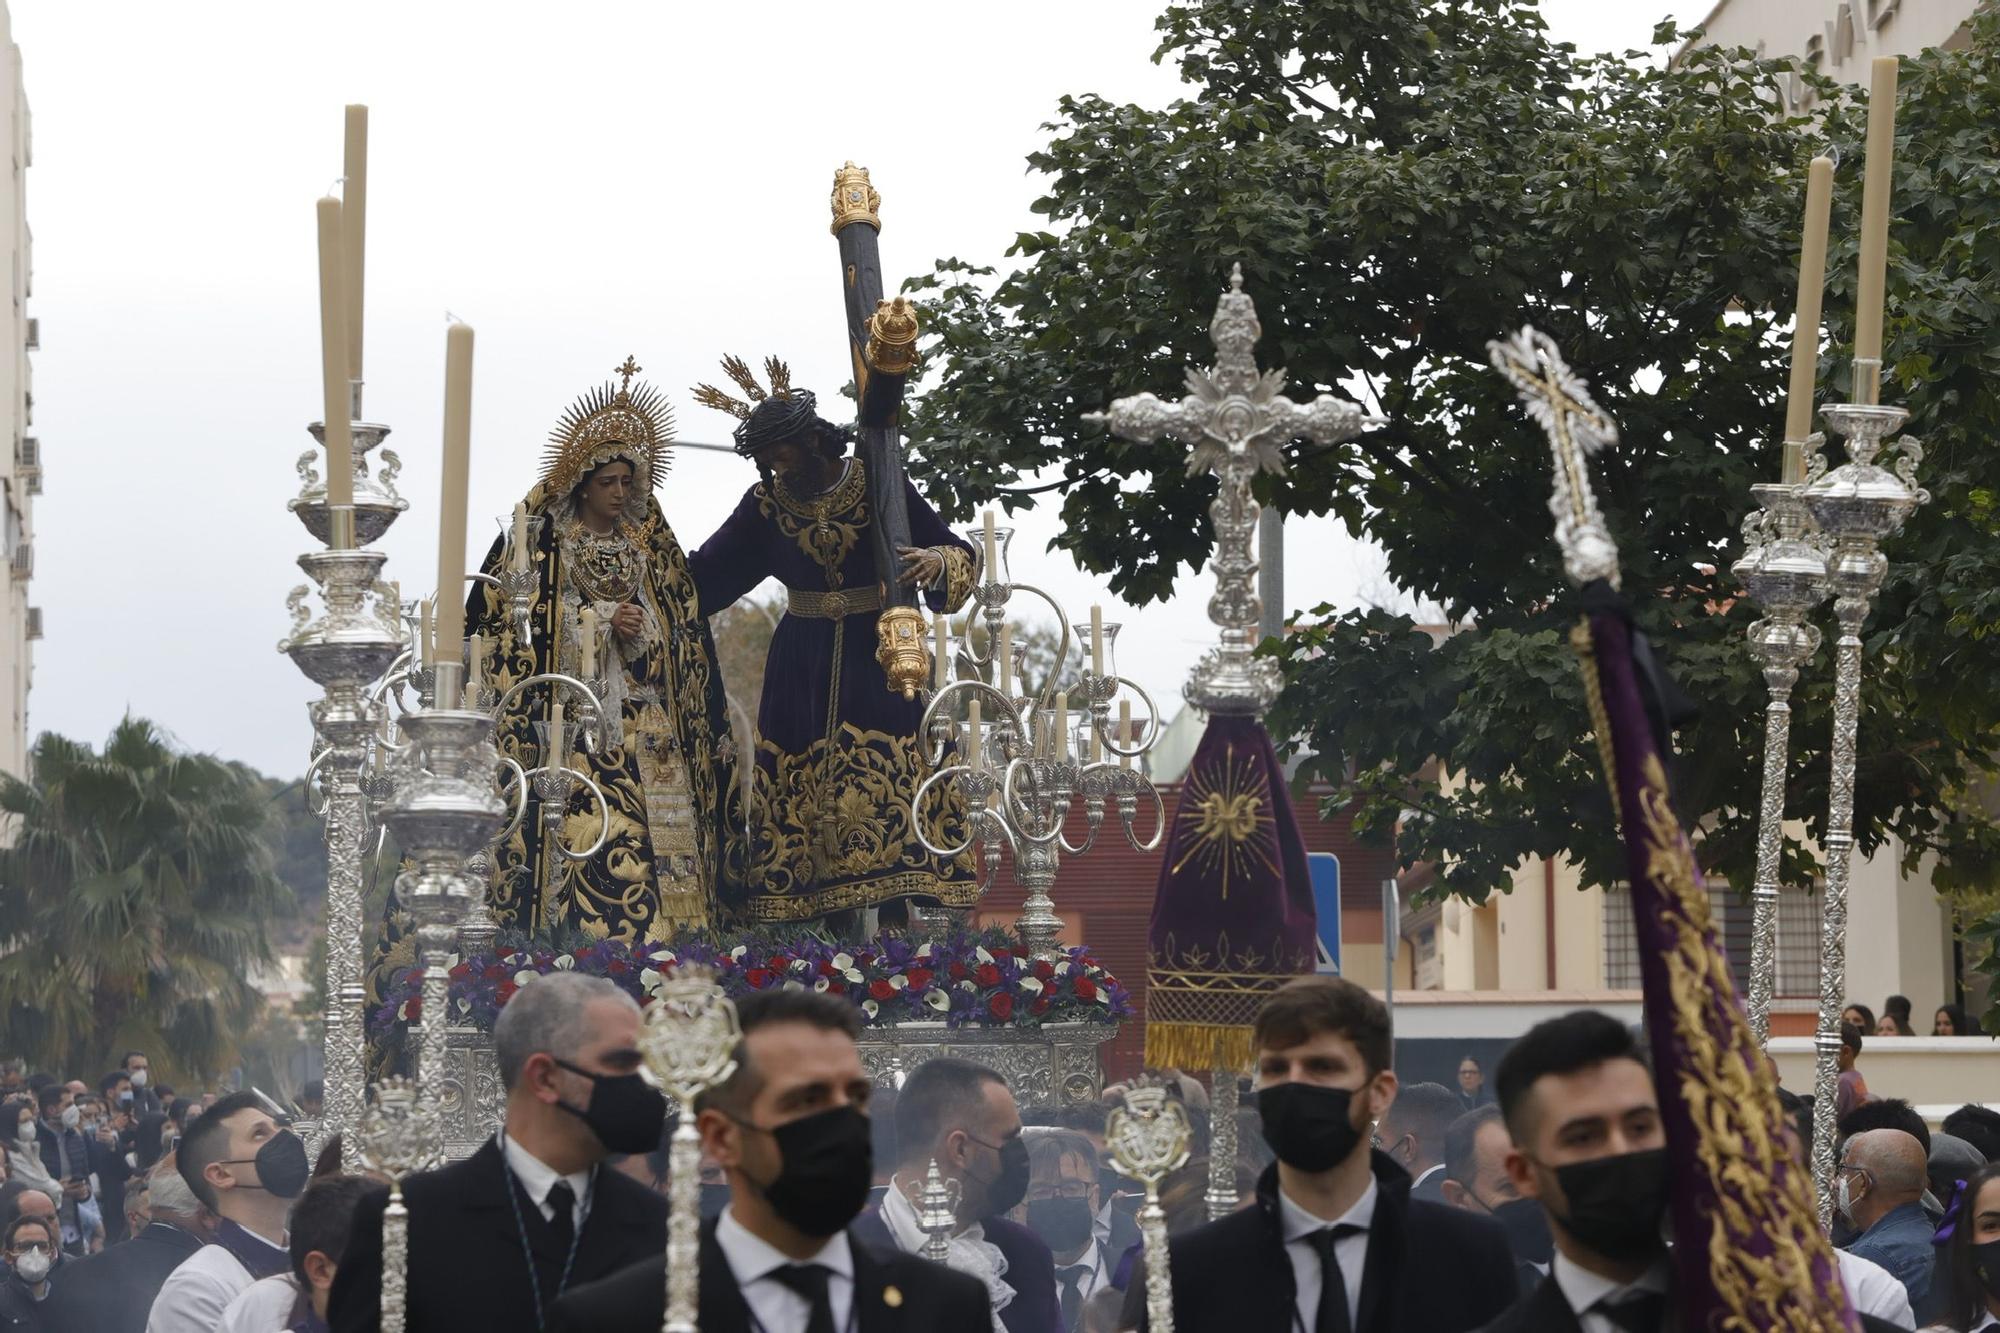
<point x="397" y="1138"/>
<point x="343" y="652"/>
<point x="1856" y="505"/>
<point x="1783" y="570"/>
<point x="1017" y="772"/>
<point x="936" y="1201"/>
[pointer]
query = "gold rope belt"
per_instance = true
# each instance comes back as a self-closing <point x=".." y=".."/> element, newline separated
<point x="831" y="605"/>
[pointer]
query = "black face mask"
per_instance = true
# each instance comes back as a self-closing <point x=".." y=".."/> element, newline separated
<point x="1006" y="1190"/>
<point x="827" y="1164"/>
<point x="1616" y="1203"/>
<point x="1986" y="1263"/>
<point x="1527" y="1226"/>
<point x="1063" y="1223"/>
<point x="1309" y="1127"/>
<point x="625" y="1112"/>
<point x="282" y="1168"/>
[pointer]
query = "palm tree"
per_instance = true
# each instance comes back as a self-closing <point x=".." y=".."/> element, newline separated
<point x="133" y="903"/>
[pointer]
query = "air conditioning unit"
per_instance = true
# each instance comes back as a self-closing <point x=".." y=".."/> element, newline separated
<point x="30" y="452"/>
<point x="34" y="335"/>
<point x="24" y="560"/>
<point x="34" y="622"/>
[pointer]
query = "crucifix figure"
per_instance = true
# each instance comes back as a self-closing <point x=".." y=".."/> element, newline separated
<point x="837" y="753"/>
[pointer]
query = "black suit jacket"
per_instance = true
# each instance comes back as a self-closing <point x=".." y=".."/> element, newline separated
<point x="893" y="1293"/>
<point x="1429" y="1267"/>
<point x="1546" y="1310"/>
<point x="112" y="1291"/>
<point x="467" y="1270"/>
<point x="1031" y="1270"/>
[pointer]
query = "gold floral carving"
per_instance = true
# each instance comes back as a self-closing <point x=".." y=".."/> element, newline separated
<point x="892" y="337"/>
<point x="854" y="199"/>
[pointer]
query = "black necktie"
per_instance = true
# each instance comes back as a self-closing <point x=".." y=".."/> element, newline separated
<point x="1072" y="1279"/>
<point x="809" y="1281"/>
<point x="562" y="1223"/>
<point x="1637" y="1314"/>
<point x="1332" y="1317"/>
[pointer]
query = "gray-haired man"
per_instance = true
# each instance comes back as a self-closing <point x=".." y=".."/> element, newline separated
<point x="494" y="1239"/>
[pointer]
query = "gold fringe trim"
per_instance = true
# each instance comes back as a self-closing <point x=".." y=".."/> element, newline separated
<point x="1197" y="1046"/>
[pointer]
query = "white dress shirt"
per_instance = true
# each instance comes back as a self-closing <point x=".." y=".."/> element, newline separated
<point x="775" y="1307"/>
<point x="1350" y="1252"/>
<point x="1587" y="1291"/>
<point x="1873" y="1289"/>
<point x="265" y="1306"/>
<point x="538" y="1178"/>
<point x="1098" y="1276"/>
<point x="197" y="1293"/>
<point x="968" y="1252"/>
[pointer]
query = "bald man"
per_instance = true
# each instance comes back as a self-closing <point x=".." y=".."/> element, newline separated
<point x="1881" y="1177"/>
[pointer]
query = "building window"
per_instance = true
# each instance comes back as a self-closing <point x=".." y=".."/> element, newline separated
<point x="1798" y="944"/>
<point x="1732" y="918"/>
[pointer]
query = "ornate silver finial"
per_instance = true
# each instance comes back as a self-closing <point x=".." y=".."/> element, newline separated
<point x="1237" y="421"/>
<point x="398" y="1135"/>
<point x="1148" y="1137"/>
<point x="1560" y="403"/>
<point x="689" y="1045"/>
<point x="936" y="1202"/>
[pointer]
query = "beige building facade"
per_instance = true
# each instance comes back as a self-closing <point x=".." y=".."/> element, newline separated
<point x="21" y="460"/>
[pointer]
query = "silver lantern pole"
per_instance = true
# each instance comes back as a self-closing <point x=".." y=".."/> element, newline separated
<point x="343" y="652"/>
<point x="1856" y="505"/>
<point x="396" y="1139"/>
<point x="1148" y="1138"/>
<point x="1236" y="420"/>
<point x="1783" y="570"/>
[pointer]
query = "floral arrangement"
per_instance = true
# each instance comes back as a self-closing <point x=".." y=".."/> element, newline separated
<point x="983" y="980"/>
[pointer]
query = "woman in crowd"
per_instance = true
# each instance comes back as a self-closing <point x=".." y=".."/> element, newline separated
<point x="1969" y="1259"/>
<point x="1949" y="1021"/>
<point x="24" y="1153"/>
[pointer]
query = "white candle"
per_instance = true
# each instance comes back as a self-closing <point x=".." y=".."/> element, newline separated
<point x="992" y="550"/>
<point x="1096" y="640"/>
<point x="1062" y="724"/>
<point x="457" y="472"/>
<point x="586" y="627"/>
<point x="1124" y="731"/>
<point x="972" y="733"/>
<point x="1805" y="328"/>
<point x="943" y="648"/>
<point x="426" y="643"/>
<point x="475" y="673"/>
<point x="1871" y="282"/>
<point x="1006" y="659"/>
<point x="354" y="228"/>
<point x="556" y="735"/>
<point x="333" y="365"/>
<point x="521" y="538"/>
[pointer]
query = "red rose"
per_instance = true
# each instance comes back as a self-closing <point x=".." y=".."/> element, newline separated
<point x="836" y="988"/>
<point x="1042" y="969"/>
<point x="1001" y="953"/>
<point x="777" y="962"/>
<point x="1001" y="1006"/>
<point x="957" y="971"/>
<point x="1040" y="1006"/>
<point x="506" y="953"/>
<point x="617" y="967"/>
<point x="826" y="969"/>
<point x="758" y="978"/>
<point x="881" y="989"/>
<point x="1086" y="989"/>
<point x="461" y="972"/>
<point x="505" y="992"/>
<point x="987" y="975"/>
<point x="413" y="1008"/>
<point x="495" y="972"/>
<point x="919" y="977"/>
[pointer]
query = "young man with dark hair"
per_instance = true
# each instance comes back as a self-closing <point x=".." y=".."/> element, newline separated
<point x="1978" y="1126"/>
<point x="495" y="1239"/>
<point x="246" y="1169"/>
<point x="1475" y="1179"/>
<point x="790" y="1129"/>
<point x="1886" y="1113"/>
<point x="65" y="1155"/>
<point x="1334" y="1242"/>
<point x="145" y="1098"/>
<point x="1413" y="1133"/>
<point x="962" y="1116"/>
<point x="1061" y="1208"/>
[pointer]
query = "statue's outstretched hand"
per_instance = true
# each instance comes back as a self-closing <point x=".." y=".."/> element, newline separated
<point x="922" y="566"/>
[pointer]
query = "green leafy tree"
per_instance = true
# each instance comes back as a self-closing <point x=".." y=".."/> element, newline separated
<point x="1403" y="180"/>
<point x="134" y="903"/>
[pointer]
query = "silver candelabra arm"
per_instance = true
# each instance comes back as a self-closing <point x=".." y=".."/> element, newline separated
<point x="392" y="467"/>
<point x="555" y="784"/>
<point x="589" y="700"/>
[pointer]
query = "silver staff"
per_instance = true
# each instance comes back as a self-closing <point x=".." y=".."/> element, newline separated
<point x="396" y="1138"/>
<point x="1148" y="1137"/>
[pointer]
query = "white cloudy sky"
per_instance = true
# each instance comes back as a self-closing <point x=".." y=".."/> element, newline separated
<point x="577" y="181"/>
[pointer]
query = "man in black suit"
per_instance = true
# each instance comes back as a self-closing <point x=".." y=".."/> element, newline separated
<point x="1475" y="1179"/>
<point x="790" y="1129"/>
<point x="495" y="1239"/>
<point x="962" y="1116"/>
<point x="112" y="1291"/>
<point x="1589" y="1144"/>
<point x="1334" y="1243"/>
<point x="1413" y="1133"/>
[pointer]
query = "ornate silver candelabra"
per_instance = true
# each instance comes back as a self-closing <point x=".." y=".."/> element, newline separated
<point x="1237" y="421"/>
<point x="1148" y="1139"/>
<point x="343" y="652"/>
<point x="1783" y="570"/>
<point x="689" y="1044"/>
<point x="1856" y="505"/>
<point x="1016" y="767"/>
<point x="397" y="1137"/>
<point x="936" y="1202"/>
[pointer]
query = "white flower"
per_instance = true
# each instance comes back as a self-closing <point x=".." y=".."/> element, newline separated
<point x="853" y="974"/>
<point x="842" y="961"/>
<point x="565" y="962"/>
<point x="1103" y="996"/>
<point x="981" y="954"/>
<point x="968" y="986"/>
<point x="898" y="982"/>
<point x="464" y="1006"/>
<point x="870" y="1008"/>
<point x="524" y="976"/>
<point x="791" y="984"/>
<point x="739" y="951"/>
<point x="821" y="985"/>
<point x="938" y="1000"/>
<point x="1062" y="968"/>
<point x="652" y="979"/>
<point x="924" y="949"/>
<point x="1032" y="985"/>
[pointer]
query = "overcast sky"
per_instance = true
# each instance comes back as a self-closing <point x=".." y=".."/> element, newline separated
<point x="578" y="182"/>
